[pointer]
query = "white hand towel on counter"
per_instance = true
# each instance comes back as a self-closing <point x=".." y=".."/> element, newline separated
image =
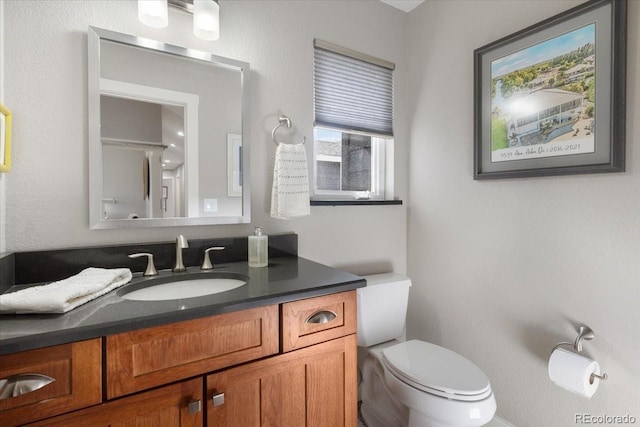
<point x="67" y="294"/>
<point x="290" y="193"/>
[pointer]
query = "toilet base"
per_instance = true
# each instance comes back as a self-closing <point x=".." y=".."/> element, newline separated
<point x="377" y="409"/>
<point x="373" y="417"/>
<point x="416" y="419"/>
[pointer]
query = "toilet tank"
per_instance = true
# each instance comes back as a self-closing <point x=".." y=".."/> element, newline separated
<point x="382" y="308"/>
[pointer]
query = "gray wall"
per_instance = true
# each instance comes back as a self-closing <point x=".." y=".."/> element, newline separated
<point x="502" y="270"/>
<point x="129" y="119"/>
<point x="46" y="193"/>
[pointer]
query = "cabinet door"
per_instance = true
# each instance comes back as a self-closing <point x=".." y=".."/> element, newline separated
<point x="170" y="406"/>
<point x="313" y="387"/>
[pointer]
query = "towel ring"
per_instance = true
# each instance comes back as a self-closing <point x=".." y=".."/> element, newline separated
<point x="283" y="121"/>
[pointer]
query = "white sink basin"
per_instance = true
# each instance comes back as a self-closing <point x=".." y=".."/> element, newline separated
<point x="195" y="285"/>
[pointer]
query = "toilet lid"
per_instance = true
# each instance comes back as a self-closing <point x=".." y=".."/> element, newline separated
<point x="436" y="370"/>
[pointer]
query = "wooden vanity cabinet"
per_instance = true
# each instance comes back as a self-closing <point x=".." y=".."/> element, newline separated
<point x="293" y="364"/>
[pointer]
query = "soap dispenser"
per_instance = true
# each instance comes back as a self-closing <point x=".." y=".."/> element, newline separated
<point x="258" y="249"/>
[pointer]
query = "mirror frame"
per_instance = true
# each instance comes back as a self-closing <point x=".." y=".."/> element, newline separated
<point x="96" y="221"/>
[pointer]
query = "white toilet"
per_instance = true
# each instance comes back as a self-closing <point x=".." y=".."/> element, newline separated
<point x="412" y="383"/>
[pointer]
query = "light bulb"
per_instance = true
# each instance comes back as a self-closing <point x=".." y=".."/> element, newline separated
<point x="206" y="19"/>
<point x="153" y="13"/>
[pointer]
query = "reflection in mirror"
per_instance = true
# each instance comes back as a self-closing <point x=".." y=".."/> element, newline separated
<point x="135" y="152"/>
<point x="165" y="129"/>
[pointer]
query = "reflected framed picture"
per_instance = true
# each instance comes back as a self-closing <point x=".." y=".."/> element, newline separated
<point x="5" y="139"/>
<point x="550" y="99"/>
<point x="234" y="165"/>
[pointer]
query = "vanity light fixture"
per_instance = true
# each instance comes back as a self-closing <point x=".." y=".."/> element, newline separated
<point x="206" y="15"/>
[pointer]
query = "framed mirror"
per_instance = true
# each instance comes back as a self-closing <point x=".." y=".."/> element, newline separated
<point x="161" y="118"/>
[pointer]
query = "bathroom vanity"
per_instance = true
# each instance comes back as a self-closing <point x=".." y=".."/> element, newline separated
<point x="279" y="351"/>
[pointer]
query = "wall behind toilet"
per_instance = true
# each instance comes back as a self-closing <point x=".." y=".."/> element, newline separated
<point x="45" y="67"/>
<point x="502" y="269"/>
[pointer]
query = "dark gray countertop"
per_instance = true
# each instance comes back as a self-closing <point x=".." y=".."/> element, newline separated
<point x="286" y="279"/>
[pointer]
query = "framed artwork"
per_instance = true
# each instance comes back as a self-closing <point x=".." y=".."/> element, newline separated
<point x="5" y="139"/>
<point x="234" y="165"/>
<point x="550" y="99"/>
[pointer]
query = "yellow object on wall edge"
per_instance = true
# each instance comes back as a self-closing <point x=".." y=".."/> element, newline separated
<point x="5" y="141"/>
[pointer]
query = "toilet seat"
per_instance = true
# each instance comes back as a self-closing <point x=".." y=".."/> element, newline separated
<point x="436" y="370"/>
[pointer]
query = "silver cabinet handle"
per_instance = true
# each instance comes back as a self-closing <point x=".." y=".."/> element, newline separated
<point x="17" y="385"/>
<point x="218" y="399"/>
<point x="195" y="406"/>
<point x="151" y="268"/>
<point x="206" y="263"/>
<point x="322" y="316"/>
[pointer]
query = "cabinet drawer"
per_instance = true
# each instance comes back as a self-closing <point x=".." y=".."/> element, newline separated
<point x="155" y="356"/>
<point x="314" y="320"/>
<point x="77" y="372"/>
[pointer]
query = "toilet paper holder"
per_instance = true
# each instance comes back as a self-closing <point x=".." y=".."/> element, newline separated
<point x="584" y="333"/>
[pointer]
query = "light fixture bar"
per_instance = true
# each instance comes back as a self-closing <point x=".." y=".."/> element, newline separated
<point x="183" y="5"/>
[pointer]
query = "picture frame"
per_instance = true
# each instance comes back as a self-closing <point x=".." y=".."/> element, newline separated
<point x="550" y="99"/>
<point x="5" y="138"/>
<point x="234" y="165"/>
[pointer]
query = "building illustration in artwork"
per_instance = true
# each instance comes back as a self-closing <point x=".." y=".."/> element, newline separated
<point x="554" y="113"/>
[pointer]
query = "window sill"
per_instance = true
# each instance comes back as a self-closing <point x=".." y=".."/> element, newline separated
<point x="354" y="202"/>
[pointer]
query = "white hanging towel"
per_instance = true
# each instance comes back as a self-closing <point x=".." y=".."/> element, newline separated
<point x="67" y="294"/>
<point x="290" y="193"/>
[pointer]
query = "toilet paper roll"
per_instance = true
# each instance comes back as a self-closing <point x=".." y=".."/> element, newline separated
<point x="572" y="372"/>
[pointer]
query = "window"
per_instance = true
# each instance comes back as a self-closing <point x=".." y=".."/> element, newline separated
<point x="353" y="128"/>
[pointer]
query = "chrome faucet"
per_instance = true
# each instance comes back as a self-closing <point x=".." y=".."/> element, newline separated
<point x="181" y="243"/>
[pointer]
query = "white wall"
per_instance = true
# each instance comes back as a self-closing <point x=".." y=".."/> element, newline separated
<point x="46" y="82"/>
<point x="123" y="181"/>
<point x="503" y="269"/>
<point x="3" y="239"/>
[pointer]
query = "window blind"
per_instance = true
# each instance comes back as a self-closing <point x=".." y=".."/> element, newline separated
<point x="352" y="91"/>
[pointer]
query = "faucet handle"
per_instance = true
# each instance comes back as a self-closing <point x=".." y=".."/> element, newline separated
<point x="151" y="268"/>
<point x="206" y="263"/>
